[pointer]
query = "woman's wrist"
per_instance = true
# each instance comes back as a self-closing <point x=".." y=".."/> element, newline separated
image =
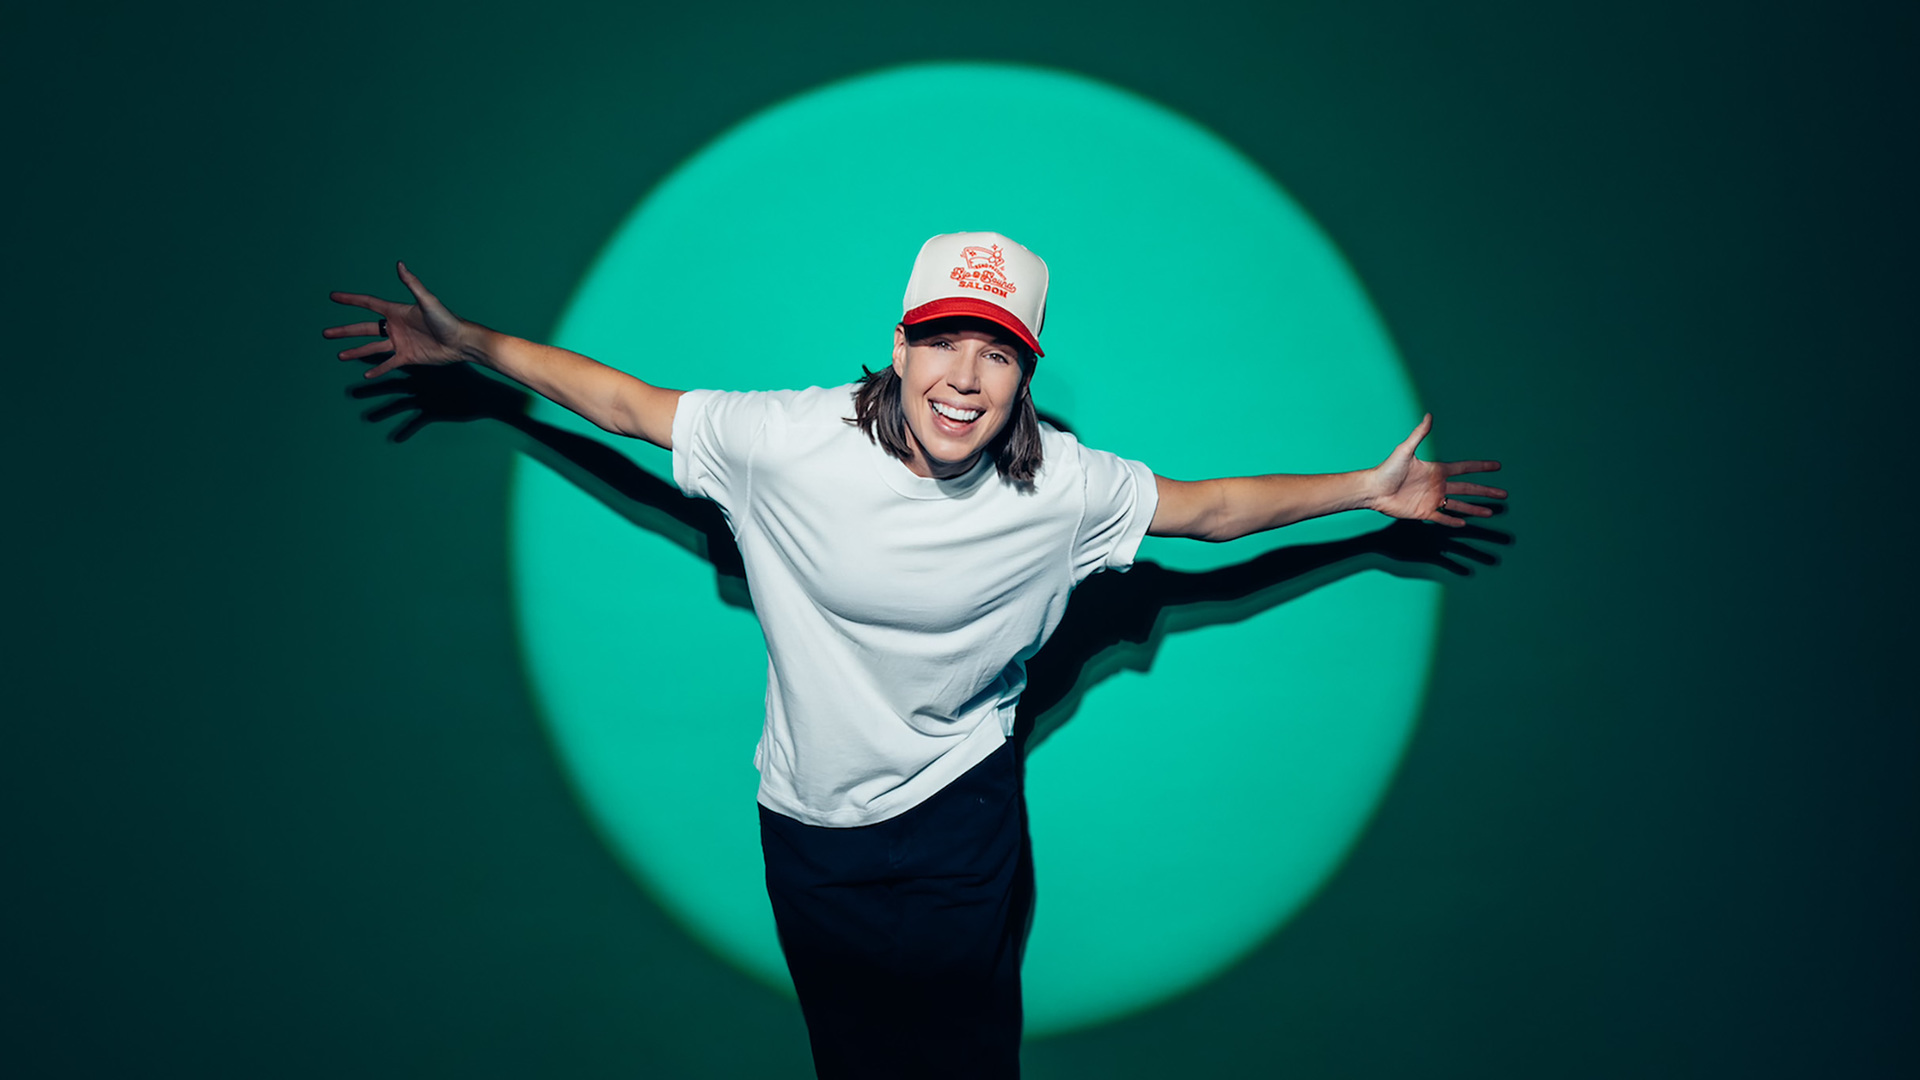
<point x="1369" y="485"/>
<point x="478" y="344"/>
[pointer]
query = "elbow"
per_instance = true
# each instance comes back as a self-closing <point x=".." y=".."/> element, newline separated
<point x="611" y="421"/>
<point x="621" y="414"/>
<point x="1217" y="527"/>
<point x="1197" y="510"/>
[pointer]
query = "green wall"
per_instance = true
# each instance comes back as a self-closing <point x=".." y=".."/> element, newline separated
<point x="277" y="800"/>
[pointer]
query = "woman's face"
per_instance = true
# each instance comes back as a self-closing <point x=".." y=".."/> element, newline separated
<point x="958" y="385"/>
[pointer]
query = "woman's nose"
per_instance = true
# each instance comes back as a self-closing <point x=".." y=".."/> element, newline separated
<point x="965" y="376"/>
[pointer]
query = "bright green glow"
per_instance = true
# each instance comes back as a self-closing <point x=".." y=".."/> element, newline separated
<point x="1198" y="321"/>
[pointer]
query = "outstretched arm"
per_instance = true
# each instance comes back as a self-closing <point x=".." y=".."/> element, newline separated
<point x="1402" y="486"/>
<point x="425" y="332"/>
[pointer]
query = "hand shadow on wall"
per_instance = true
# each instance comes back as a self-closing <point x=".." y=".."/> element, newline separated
<point x="1115" y="622"/>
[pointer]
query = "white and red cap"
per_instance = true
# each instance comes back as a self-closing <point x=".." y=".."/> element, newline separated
<point x="982" y="274"/>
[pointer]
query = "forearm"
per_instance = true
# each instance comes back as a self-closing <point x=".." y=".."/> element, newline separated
<point x="1240" y="505"/>
<point x="595" y="391"/>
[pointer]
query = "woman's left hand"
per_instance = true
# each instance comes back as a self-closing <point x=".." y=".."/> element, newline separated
<point x="1403" y="486"/>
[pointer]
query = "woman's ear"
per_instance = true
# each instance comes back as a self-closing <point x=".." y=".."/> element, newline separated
<point x="900" y="349"/>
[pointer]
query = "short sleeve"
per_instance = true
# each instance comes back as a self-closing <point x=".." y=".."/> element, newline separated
<point x="1121" y="497"/>
<point x="715" y="434"/>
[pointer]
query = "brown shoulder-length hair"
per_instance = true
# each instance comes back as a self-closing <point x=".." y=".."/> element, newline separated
<point x="877" y="412"/>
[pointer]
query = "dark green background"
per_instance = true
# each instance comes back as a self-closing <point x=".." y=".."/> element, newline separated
<point x="276" y="801"/>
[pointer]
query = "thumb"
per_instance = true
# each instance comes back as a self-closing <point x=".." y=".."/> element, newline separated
<point x="415" y="286"/>
<point x="1408" y="444"/>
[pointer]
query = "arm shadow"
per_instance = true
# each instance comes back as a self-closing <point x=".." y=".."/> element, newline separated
<point x="1116" y="622"/>
<point x="460" y="394"/>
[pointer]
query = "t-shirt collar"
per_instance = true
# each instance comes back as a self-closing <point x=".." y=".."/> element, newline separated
<point x="906" y="482"/>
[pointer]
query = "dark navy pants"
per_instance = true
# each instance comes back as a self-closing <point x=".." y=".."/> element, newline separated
<point x="904" y="937"/>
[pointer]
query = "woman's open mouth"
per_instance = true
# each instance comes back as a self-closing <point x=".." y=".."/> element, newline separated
<point x="952" y="417"/>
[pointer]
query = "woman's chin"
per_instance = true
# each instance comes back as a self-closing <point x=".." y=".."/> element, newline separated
<point x="947" y="454"/>
<point x="944" y="461"/>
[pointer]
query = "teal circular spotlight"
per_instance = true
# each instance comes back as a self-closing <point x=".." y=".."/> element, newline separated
<point x="1197" y="320"/>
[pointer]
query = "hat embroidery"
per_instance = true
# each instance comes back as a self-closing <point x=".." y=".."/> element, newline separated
<point x="985" y="269"/>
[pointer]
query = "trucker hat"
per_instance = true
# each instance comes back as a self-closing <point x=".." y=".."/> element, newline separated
<point x="982" y="274"/>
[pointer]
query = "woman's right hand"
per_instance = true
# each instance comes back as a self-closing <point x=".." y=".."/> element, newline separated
<point x="423" y="332"/>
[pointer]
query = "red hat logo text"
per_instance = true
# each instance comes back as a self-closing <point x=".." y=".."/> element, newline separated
<point x="985" y="269"/>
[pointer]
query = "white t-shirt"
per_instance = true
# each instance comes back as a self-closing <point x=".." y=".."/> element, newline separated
<point x="899" y="611"/>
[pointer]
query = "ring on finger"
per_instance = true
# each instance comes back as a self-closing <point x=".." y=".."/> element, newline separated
<point x="383" y="328"/>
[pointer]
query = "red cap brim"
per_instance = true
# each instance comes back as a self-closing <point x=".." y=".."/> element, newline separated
<point x="950" y="306"/>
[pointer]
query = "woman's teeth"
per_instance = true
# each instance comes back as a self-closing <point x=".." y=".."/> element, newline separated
<point x="951" y="413"/>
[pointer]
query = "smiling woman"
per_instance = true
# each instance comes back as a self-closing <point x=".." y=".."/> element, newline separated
<point x="901" y="589"/>
<point x="901" y="585"/>
<point x="958" y="386"/>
